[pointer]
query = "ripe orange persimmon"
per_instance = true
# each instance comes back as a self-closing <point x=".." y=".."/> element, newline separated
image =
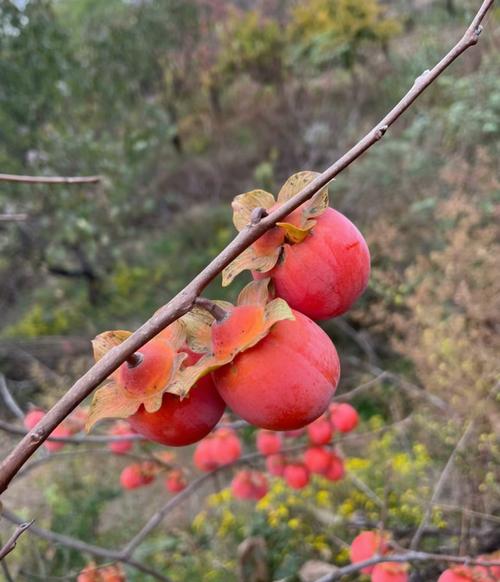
<point x="286" y="380"/>
<point x="268" y="442"/>
<point x="390" y="572"/>
<point x="296" y="475"/>
<point x="343" y="417"/>
<point x="457" y="574"/>
<point x="250" y="485"/>
<point x="182" y="422"/>
<point x="366" y="545"/>
<point x="317" y="459"/>
<point x="324" y="275"/>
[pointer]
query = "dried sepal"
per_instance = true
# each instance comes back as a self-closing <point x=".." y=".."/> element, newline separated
<point x="294" y="234"/>
<point x="311" y="208"/>
<point x="113" y="401"/>
<point x="244" y="204"/>
<point x="174" y="334"/>
<point x="187" y="377"/>
<point x="108" y="340"/>
<point x="255" y="293"/>
<point x="250" y="260"/>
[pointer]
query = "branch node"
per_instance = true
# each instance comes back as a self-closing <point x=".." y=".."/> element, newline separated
<point x="380" y="132"/>
<point x="257" y="215"/>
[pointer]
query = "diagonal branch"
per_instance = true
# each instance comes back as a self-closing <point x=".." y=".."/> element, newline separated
<point x="184" y="300"/>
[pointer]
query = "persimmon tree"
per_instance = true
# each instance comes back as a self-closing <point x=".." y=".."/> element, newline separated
<point x="265" y="358"/>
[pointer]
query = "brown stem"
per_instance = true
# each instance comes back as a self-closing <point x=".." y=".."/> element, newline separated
<point x="217" y="311"/>
<point x="185" y="300"/>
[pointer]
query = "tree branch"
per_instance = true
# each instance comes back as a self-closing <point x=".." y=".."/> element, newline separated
<point x="12" y="541"/>
<point x="50" y="179"/>
<point x="83" y="547"/>
<point x="184" y="300"/>
<point x="20" y="217"/>
<point x="410" y="556"/>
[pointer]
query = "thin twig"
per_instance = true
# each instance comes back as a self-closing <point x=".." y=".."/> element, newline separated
<point x="184" y="300"/>
<point x="50" y="179"/>
<point x="10" y="401"/>
<point x="12" y="541"/>
<point x="74" y="440"/>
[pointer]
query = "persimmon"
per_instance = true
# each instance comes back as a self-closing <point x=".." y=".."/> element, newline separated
<point x="296" y="475"/>
<point x="250" y="485"/>
<point x="151" y="372"/>
<point x="317" y="459"/>
<point x="316" y="257"/>
<point x="336" y="469"/>
<point x="124" y="446"/>
<point x="344" y="417"/>
<point x="390" y="572"/>
<point x="182" y="422"/>
<point x="226" y="446"/>
<point x="136" y="475"/>
<point x="457" y="574"/>
<point x="175" y="482"/>
<point x="268" y="442"/>
<point x="366" y="545"/>
<point x="204" y="455"/>
<point x="275" y="465"/>
<point x="286" y="380"/>
<point x="320" y="431"/>
<point x="324" y="275"/>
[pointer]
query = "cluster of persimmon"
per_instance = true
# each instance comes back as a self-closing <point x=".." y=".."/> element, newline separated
<point x="264" y="358"/>
<point x="93" y="573"/>
<point x="369" y="544"/>
<point x="477" y="573"/>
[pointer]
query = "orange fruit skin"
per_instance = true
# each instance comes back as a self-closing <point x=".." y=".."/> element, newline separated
<point x="460" y="574"/>
<point x="389" y="572"/>
<point x="285" y="381"/>
<point x="365" y="545"/>
<point x="326" y="273"/>
<point x="181" y="422"/>
<point x="152" y="373"/>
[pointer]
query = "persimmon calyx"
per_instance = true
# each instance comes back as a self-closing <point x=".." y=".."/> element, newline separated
<point x="264" y="253"/>
<point x="248" y="322"/>
<point x="129" y="387"/>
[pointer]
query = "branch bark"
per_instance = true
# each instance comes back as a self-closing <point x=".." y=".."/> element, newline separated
<point x="50" y="179"/>
<point x="185" y="300"/>
<point x="12" y="541"/>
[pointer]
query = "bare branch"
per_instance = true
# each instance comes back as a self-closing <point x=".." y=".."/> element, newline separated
<point x="50" y="179"/>
<point x="12" y="541"/>
<point x="85" y="548"/>
<point x="20" y="217"/>
<point x="184" y="300"/>
<point x="410" y="556"/>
